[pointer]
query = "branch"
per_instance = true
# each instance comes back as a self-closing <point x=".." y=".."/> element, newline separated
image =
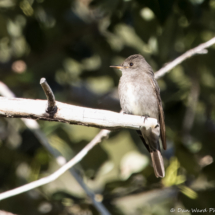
<point x="35" y="109"/>
<point x="200" y="49"/>
<point x="60" y="171"/>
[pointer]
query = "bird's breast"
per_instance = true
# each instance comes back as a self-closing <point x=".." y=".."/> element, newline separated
<point x="138" y="97"/>
<point x="132" y="99"/>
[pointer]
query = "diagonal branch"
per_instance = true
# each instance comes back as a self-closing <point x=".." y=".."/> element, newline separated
<point x="200" y="49"/>
<point x="59" y="172"/>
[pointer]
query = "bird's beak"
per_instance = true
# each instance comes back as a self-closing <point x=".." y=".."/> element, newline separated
<point x="117" y="67"/>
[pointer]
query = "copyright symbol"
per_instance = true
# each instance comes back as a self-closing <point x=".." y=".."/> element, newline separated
<point x="172" y="210"/>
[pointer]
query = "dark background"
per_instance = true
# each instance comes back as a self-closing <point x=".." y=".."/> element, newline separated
<point x="72" y="44"/>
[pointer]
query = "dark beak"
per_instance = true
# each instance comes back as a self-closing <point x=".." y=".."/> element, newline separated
<point x="117" y="67"/>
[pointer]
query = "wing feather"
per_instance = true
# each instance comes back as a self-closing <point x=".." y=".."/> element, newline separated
<point x="161" y="113"/>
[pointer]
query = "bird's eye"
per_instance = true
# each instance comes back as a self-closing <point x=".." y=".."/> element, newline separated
<point x="131" y="64"/>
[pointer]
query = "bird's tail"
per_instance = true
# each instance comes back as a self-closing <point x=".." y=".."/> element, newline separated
<point x="158" y="164"/>
<point x="154" y="149"/>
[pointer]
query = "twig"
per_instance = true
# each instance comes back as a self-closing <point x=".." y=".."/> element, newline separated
<point x="34" y="109"/>
<point x="60" y="171"/>
<point x="52" y="108"/>
<point x="200" y="49"/>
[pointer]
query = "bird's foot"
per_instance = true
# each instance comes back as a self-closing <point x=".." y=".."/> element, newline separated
<point x="145" y="117"/>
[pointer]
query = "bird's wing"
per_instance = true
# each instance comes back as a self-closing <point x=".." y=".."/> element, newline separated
<point x="161" y="113"/>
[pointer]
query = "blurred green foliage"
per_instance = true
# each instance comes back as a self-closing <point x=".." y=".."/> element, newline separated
<point x="72" y="43"/>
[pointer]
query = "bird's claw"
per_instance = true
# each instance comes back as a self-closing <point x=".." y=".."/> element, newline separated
<point x="145" y="117"/>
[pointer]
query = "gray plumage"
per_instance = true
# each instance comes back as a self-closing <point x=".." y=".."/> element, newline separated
<point x="139" y="94"/>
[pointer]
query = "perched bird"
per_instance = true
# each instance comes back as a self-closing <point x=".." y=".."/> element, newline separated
<point x="139" y="94"/>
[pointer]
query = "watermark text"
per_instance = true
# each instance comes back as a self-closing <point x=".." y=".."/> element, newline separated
<point x="193" y="210"/>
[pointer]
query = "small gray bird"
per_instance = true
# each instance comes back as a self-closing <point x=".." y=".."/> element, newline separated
<point x="139" y="94"/>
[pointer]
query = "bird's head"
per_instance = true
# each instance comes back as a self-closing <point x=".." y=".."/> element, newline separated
<point x="133" y="63"/>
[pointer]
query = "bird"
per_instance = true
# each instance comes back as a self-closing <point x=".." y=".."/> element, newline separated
<point x="139" y="94"/>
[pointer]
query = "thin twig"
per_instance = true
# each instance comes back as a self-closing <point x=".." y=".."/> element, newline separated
<point x="200" y="49"/>
<point x="52" y="108"/>
<point x="60" y="171"/>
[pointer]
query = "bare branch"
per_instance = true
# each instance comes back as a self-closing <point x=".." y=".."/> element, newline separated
<point x="200" y="49"/>
<point x="60" y="171"/>
<point x="52" y="108"/>
<point x="35" y="109"/>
